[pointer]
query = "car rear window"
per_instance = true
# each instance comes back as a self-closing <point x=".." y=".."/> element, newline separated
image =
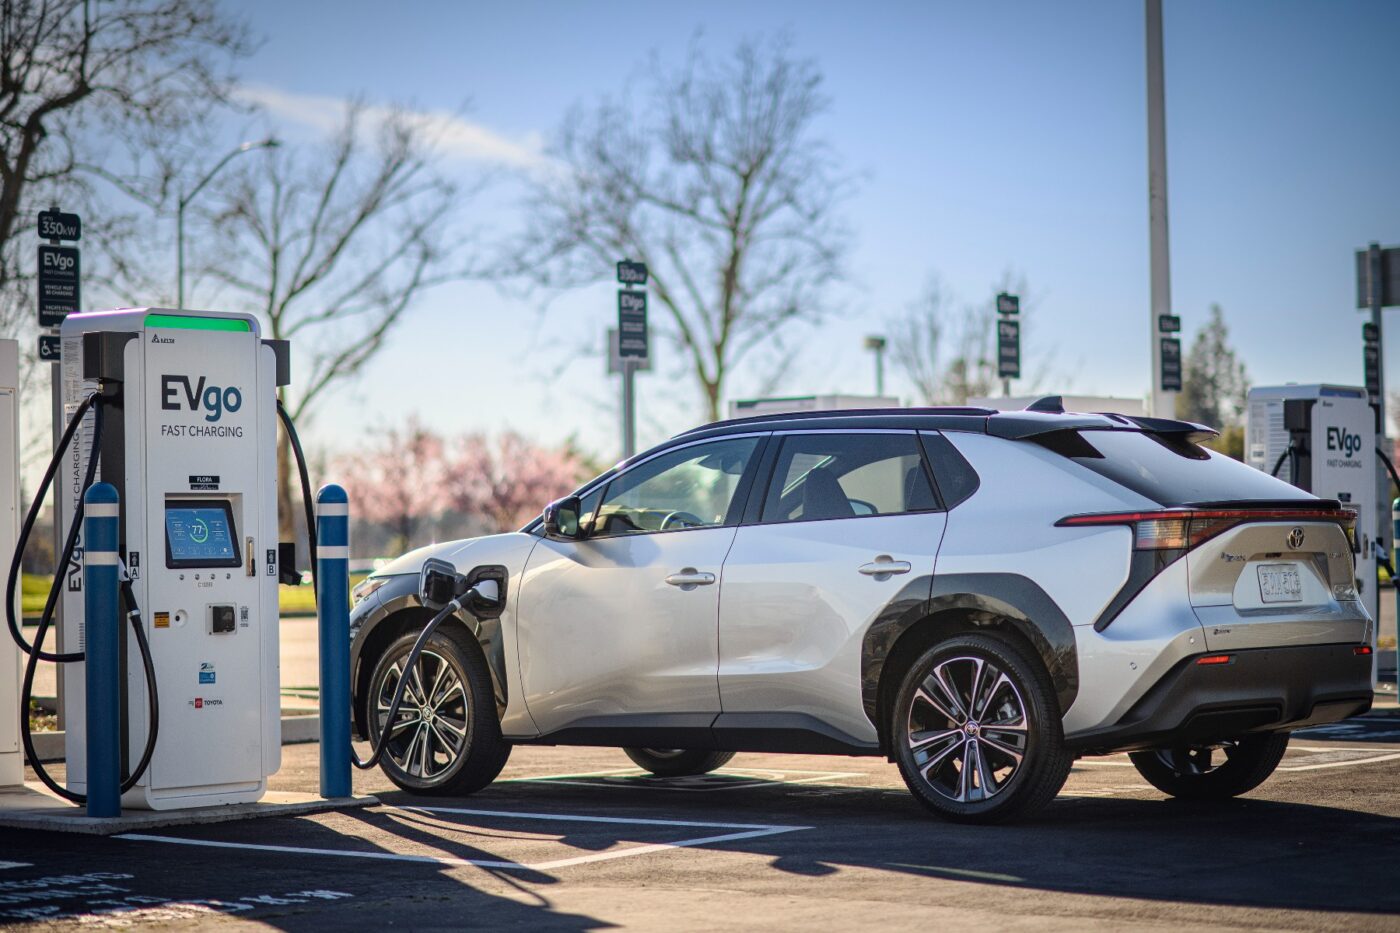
<point x="1166" y="468"/>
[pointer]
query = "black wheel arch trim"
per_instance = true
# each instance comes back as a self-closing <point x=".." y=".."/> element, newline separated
<point x="985" y="598"/>
<point x="399" y="594"/>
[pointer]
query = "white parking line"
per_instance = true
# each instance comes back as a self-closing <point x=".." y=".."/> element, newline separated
<point x="746" y="831"/>
<point x="1340" y="764"/>
<point x="4" y="865"/>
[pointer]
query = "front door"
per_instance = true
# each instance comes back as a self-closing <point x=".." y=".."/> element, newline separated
<point x="849" y="528"/>
<point x="619" y="630"/>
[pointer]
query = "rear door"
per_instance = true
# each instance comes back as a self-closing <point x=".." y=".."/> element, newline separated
<point x="848" y="524"/>
<point x="1277" y="583"/>
<point x="1266" y="578"/>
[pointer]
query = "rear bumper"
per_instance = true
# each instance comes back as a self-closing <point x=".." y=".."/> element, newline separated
<point x="1260" y="690"/>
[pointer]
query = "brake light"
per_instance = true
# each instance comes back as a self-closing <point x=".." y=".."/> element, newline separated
<point x="1361" y="649"/>
<point x="1207" y="659"/>
<point x="1182" y="529"/>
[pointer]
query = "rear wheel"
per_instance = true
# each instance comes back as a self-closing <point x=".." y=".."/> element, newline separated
<point x="678" y="762"/>
<point x="977" y="731"/>
<point x="1213" y="772"/>
<point x="446" y="738"/>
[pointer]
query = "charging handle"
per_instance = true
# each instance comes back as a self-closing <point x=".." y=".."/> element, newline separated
<point x="481" y="591"/>
<point x="287" y="572"/>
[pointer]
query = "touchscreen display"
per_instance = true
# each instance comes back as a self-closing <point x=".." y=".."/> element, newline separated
<point x="198" y="535"/>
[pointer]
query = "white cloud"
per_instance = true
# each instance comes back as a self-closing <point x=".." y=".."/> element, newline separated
<point x="453" y="136"/>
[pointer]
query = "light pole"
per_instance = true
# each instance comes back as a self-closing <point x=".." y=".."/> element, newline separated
<point x="269" y="143"/>
<point x="876" y="344"/>
<point x="1163" y="401"/>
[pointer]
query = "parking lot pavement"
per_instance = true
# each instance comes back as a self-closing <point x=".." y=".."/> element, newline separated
<point x="577" y="839"/>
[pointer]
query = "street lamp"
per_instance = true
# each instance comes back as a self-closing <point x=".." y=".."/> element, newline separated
<point x="876" y="344"/>
<point x="269" y="143"/>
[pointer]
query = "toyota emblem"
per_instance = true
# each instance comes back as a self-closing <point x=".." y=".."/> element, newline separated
<point x="1295" y="538"/>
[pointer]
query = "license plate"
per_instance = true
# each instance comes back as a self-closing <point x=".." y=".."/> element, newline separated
<point x="1280" y="583"/>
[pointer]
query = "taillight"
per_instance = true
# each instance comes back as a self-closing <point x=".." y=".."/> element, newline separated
<point x="1206" y="660"/>
<point x="1182" y="529"/>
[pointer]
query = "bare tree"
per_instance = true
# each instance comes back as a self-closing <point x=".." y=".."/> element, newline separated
<point x="943" y="349"/>
<point x="332" y="248"/>
<point x="720" y="185"/>
<point x="79" y="79"/>
<point x="946" y="349"/>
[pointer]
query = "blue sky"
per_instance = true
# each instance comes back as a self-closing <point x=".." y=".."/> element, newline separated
<point x="989" y="136"/>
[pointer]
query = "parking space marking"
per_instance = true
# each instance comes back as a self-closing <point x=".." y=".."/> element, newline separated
<point x="1306" y="750"/>
<point x="4" y="865"/>
<point x="1340" y="764"/>
<point x="743" y="831"/>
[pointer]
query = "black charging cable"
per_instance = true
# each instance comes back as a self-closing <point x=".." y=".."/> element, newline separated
<point x="308" y="503"/>
<point x="92" y="402"/>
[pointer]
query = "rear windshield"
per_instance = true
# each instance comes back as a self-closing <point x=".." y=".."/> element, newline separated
<point x="1167" y="469"/>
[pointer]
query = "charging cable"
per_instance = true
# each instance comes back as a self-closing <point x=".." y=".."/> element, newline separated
<point x="93" y="403"/>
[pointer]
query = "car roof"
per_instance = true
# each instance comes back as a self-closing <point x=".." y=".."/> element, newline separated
<point x="1043" y="416"/>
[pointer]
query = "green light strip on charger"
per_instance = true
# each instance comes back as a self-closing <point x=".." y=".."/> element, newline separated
<point x="193" y="322"/>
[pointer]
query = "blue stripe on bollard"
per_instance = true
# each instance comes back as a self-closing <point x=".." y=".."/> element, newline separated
<point x="333" y="615"/>
<point x="102" y="624"/>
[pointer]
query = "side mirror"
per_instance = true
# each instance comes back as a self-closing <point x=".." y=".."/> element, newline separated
<point x="561" y="518"/>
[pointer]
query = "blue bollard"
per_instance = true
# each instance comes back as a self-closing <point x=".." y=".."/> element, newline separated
<point x="333" y="616"/>
<point x="103" y="634"/>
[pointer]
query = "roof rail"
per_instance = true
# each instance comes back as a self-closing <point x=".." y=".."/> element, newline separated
<point x="964" y="410"/>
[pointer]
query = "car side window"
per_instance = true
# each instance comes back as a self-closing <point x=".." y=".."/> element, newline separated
<point x="824" y="476"/>
<point x="692" y="487"/>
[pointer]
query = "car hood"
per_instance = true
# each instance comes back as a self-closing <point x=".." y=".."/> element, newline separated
<point x="463" y="553"/>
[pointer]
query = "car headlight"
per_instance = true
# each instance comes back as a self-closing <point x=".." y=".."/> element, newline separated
<point x="365" y="589"/>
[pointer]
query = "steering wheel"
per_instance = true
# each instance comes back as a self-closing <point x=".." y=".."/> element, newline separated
<point x="690" y="520"/>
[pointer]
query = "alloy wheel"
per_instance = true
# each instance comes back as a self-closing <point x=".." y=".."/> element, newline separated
<point x="430" y="730"/>
<point x="967" y="729"/>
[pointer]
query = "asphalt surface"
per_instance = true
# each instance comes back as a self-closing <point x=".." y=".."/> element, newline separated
<point x="575" y="839"/>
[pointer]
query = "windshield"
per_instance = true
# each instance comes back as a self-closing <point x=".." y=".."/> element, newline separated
<point x="1168" y="469"/>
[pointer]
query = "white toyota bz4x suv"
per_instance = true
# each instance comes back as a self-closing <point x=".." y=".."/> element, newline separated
<point x="981" y="597"/>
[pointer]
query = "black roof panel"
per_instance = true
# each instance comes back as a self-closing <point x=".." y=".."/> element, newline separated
<point x="1008" y="424"/>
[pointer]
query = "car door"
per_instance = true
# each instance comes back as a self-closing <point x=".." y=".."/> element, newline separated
<point x="849" y="524"/>
<point x="618" y="630"/>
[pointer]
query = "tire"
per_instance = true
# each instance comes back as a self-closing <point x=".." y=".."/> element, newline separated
<point x="1014" y="713"/>
<point x="1195" y="773"/>
<point x="428" y="757"/>
<point x="678" y="762"/>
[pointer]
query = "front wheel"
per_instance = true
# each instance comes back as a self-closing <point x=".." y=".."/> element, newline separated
<point x="446" y="738"/>
<point x="977" y="733"/>
<point x="678" y="762"/>
<point x="1213" y="772"/>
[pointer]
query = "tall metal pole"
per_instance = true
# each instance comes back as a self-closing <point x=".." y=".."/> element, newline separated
<point x="1373" y="261"/>
<point x="629" y="407"/>
<point x="1384" y="520"/>
<point x="1163" y="404"/>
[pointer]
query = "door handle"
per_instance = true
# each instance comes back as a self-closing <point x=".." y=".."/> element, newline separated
<point x="885" y="566"/>
<point x="689" y="578"/>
